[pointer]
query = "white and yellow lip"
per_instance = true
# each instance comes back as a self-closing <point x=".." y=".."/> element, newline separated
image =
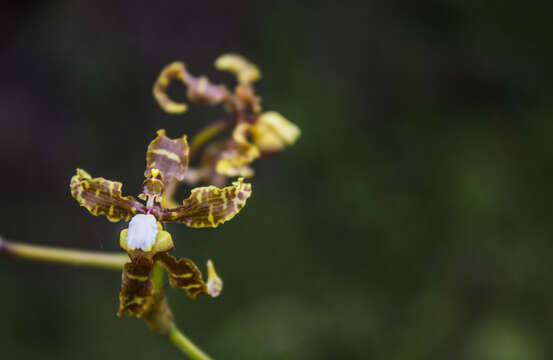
<point x="145" y="233"/>
<point x="142" y="232"/>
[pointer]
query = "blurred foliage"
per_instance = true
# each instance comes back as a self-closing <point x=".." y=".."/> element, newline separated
<point x="411" y="220"/>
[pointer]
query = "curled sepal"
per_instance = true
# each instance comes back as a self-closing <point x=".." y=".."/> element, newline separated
<point x="168" y="157"/>
<point x="273" y="132"/>
<point x="200" y="90"/>
<point x="234" y="160"/>
<point x="245" y="71"/>
<point x="210" y="206"/>
<point x="175" y="70"/>
<point x="184" y="274"/>
<point x="103" y="197"/>
<point x="137" y="287"/>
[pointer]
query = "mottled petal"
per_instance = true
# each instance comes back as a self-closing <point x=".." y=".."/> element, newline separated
<point x="245" y="71"/>
<point x="201" y="91"/>
<point x="103" y="197"/>
<point x="183" y="274"/>
<point x="137" y="287"/>
<point x="169" y="156"/>
<point x="210" y="206"/>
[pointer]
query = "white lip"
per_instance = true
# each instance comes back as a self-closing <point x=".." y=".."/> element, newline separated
<point x="142" y="232"/>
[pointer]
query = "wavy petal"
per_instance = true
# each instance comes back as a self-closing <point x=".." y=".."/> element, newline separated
<point x="184" y="274"/>
<point x="210" y="206"/>
<point x="169" y="156"/>
<point x="103" y="197"/>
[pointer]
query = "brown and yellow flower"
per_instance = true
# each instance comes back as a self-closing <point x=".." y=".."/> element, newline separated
<point x="145" y="240"/>
<point x="254" y="133"/>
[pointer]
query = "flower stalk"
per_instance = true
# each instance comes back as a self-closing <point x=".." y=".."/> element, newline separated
<point x="95" y="259"/>
<point x="160" y="319"/>
<point x="188" y="347"/>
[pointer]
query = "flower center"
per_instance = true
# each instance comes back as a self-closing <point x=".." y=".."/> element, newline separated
<point x="142" y="232"/>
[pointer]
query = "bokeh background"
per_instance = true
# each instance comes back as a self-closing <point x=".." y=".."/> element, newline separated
<point x="411" y="221"/>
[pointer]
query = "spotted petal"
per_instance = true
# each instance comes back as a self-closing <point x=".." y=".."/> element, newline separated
<point x="169" y="156"/>
<point x="103" y="197"/>
<point x="210" y="206"/>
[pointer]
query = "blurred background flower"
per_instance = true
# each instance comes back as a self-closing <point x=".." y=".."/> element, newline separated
<point x="412" y="220"/>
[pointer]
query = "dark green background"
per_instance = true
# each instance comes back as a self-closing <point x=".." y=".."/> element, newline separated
<point x="412" y="220"/>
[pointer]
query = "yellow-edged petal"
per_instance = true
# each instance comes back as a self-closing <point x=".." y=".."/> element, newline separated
<point x="103" y="197"/>
<point x="210" y="206"/>
<point x="184" y="274"/>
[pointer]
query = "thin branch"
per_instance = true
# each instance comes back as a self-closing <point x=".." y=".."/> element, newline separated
<point x="188" y="347"/>
<point x="97" y="259"/>
<point x="207" y="133"/>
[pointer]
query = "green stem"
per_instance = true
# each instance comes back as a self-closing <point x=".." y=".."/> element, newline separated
<point x="206" y="134"/>
<point x="63" y="256"/>
<point x="175" y="335"/>
<point x="157" y="277"/>
<point x="188" y="347"/>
